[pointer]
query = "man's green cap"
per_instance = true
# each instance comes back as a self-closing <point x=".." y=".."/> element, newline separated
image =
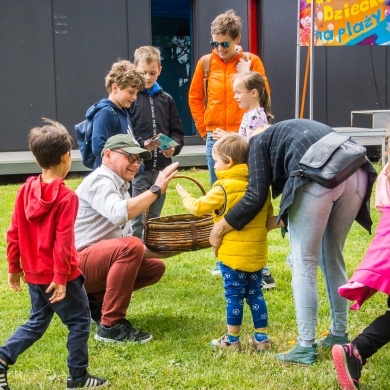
<point x="127" y="144"/>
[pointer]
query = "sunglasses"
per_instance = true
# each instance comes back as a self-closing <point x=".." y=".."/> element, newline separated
<point x="215" y="44"/>
<point x="130" y="157"/>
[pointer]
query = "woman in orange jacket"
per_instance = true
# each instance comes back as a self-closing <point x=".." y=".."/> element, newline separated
<point x="211" y="95"/>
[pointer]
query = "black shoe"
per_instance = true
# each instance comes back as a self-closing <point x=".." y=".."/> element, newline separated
<point x="96" y="309"/>
<point x="87" y="380"/>
<point x="348" y="365"/>
<point x="3" y="379"/>
<point x="122" y="331"/>
<point x="268" y="281"/>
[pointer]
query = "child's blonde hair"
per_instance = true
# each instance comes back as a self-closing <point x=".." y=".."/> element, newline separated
<point x="233" y="146"/>
<point x="49" y="143"/>
<point x="147" y="54"/>
<point x="124" y="74"/>
<point x="227" y="23"/>
<point x="254" y="80"/>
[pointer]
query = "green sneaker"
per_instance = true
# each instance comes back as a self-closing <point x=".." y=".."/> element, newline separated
<point x="330" y="340"/>
<point x="299" y="355"/>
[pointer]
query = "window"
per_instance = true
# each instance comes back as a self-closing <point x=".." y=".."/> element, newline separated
<point x="171" y="33"/>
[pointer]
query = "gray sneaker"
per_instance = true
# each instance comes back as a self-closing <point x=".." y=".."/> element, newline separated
<point x="330" y="340"/>
<point x="122" y="331"/>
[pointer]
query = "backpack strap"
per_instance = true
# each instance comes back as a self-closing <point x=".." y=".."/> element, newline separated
<point x="206" y="59"/>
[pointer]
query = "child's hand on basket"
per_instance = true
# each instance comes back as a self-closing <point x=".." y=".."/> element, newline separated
<point x="182" y="192"/>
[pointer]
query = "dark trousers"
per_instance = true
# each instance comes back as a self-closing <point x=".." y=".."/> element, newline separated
<point x="73" y="311"/>
<point x="375" y="336"/>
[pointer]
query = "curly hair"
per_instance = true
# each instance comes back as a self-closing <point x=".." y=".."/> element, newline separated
<point x="124" y="74"/>
<point x="233" y="146"/>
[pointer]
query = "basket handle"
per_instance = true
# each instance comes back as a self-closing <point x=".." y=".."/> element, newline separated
<point x="192" y="179"/>
<point x="180" y="177"/>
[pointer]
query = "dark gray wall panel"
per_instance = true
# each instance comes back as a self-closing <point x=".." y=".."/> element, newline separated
<point x="26" y="70"/>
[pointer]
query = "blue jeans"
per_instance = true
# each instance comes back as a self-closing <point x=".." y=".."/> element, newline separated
<point x="319" y="221"/>
<point x="209" y="158"/>
<point x="73" y="312"/>
<point x="140" y="184"/>
<point x="240" y="285"/>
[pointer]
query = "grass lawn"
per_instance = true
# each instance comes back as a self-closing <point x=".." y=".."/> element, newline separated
<point x="184" y="311"/>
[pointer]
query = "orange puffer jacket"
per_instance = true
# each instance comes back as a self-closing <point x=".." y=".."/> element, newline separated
<point x="222" y="110"/>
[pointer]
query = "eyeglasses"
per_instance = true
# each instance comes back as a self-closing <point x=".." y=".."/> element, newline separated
<point x="130" y="157"/>
<point x="215" y="44"/>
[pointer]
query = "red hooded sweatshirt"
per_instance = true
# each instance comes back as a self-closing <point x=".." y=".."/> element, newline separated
<point x="40" y="239"/>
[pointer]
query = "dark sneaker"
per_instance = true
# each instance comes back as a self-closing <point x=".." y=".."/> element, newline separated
<point x="299" y="355"/>
<point x="348" y="365"/>
<point x="88" y="380"/>
<point x="330" y="340"/>
<point x="224" y="343"/>
<point x="122" y="331"/>
<point x="3" y="379"/>
<point x="96" y="309"/>
<point x="268" y="281"/>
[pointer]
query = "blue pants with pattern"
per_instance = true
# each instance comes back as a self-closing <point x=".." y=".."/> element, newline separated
<point x="240" y="285"/>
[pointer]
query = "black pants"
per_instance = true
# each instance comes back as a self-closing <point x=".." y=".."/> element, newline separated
<point x="375" y="336"/>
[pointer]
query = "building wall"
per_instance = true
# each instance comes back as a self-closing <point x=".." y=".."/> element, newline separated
<point x="55" y="55"/>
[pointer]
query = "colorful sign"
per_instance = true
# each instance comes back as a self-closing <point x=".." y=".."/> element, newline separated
<point x="345" y="22"/>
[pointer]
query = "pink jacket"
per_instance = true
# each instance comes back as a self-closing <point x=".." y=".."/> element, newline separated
<point x="373" y="273"/>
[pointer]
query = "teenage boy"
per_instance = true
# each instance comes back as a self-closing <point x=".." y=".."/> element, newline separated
<point x="41" y="252"/>
<point x="153" y="112"/>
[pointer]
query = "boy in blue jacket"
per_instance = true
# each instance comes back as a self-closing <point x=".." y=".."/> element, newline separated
<point x="110" y="115"/>
<point x="153" y="112"/>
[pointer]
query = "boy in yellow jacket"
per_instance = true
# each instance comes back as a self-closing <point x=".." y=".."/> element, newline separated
<point x="243" y="254"/>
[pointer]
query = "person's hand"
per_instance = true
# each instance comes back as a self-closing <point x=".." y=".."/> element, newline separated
<point x="152" y="144"/>
<point x="58" y="294"/>
<point x="14" y="281"/>
<point x="165" y="176"/>
<point x="182" y="192"/>
<point x="219" y="133"/>
<point x="168" y="153"/>
<point x="243" y="66"/>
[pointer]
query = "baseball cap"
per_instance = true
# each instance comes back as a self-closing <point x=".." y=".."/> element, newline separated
<point x="127" y="144"/>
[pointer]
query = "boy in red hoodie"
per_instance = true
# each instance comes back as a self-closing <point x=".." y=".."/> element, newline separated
<point x="42" y="253"/>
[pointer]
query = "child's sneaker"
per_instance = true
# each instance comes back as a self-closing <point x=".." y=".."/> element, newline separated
<point x="348" y="365"/>
<point x="260" y="346"/>
<point x="268" y="281"/>
<point x="223" y="343"/>
<point x="217" y="269"/>
<point x="87" y="380"/>
<point x="3" y="379"/>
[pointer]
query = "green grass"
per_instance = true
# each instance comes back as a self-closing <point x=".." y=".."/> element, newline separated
<point x="184" y="311"/>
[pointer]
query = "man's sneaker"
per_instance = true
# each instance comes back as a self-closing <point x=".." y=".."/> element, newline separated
<point x="217" y="269"/>
<point x="304" y="356"/>
<point x="260" y="346"/>
<point x="330" y="340"/>
<point x="87" y="380"/>
<point x="224" y="343"/>
<point x="3" y="379"/>
<point x="348" y="365"/>
<point x="122" y="331"/>
<point x="96" y="309"/>
<point x="268" y="281"/>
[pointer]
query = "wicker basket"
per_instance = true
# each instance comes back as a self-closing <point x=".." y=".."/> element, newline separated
<point x="179" y="232"/>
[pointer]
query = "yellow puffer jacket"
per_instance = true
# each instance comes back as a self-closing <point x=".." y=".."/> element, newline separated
<point x="245" y="250"/>
<point x="222" y="110"/>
